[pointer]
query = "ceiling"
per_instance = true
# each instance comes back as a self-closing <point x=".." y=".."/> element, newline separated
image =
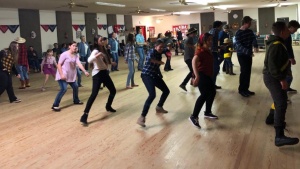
<point x="145" y="5"/>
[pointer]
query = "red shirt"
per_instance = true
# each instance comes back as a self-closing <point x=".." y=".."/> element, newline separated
<point x="206" y="62"/>
<point x="22" y="59"/>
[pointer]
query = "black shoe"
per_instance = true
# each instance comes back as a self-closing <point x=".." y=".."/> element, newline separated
<point x="171" y="69"/>
<point x="218" y="87"/>
<point x="244" y="94"/>
<point x="80" y="85"/>
<point x="166" y="70"/>
<point x="117" y="70"/>
<point x="183" y="87"/>
<point x="16" y="101"/>
<point x="79" y="103"/>
<point x="110" y="109"/>
<point x="284" y="140"/>
<point x="250" y="92"/>
<point x="83" y="119"/>
<point x="290" y="90"/>
<point x="195" y="121"/>
<point x="270" y="118"/>
<point x="55" y="108"/>
<point x="210" y="115"/>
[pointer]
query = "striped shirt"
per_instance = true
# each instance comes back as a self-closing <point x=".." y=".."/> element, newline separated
<point x="151" y="69"/>
<point x="245" y="40"/>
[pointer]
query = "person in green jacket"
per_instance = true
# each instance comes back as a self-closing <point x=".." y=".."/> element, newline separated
<point x="275" y="71"/>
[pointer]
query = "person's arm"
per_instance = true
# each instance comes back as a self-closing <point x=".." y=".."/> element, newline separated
<point x="276" y="65"/>
<point x="239" y="44"/>
<point x="81" y="67"/>
<point x="42" y="65"/>
<point x="126" y="52"/>
<point x="195" y="62"/>
<point x="289" y="48"/>
<point x="93" y="56"/>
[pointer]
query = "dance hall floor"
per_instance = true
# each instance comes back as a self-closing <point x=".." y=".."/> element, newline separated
<point x="34" y="136"/>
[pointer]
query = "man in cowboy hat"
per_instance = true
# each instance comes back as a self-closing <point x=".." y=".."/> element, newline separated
<point x="189" y="51"/>
<point x="22" y="65"/>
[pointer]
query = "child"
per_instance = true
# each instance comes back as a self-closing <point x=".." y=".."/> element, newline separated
<point x="48" y="68"/>
<point x="168" y="53"/>
<point x="227" y="56"/>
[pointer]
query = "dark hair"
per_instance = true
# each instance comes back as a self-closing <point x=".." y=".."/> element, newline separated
<point x="12" y="49"/>
<point x="278" y="27"/>
<point x="130" y="38"/>
<point x="246" y="19"/>
<point x="294" y="24"/>
<point x="203" y="39"/>
<point x="158" y="42"/>
<point x="71" y="43"/>
<point x="217" y="24"/>
<point x="49" y="50"/>
<point x="158" y="36"/>
<point x="96" y="38"/>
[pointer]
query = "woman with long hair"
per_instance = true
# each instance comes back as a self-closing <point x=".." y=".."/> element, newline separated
<point x="99" y="61"/>
<point x="130" y="57"/>
<point x="66" y="74"/>
<point x="8" y="59"/>
<point x="203" y="71"/>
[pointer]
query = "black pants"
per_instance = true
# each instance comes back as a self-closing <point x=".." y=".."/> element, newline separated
<point x="6" y="84"/>
<point x="84" y="59"/>
<point x="101" y="77"/>
<point x="246" y="65"/>
<point x="279" y="97"/>
<point x="189" y="75"/>
<point x="207" y="89"/>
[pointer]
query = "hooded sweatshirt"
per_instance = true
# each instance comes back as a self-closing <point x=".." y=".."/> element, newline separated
<point x="276" y="59"/>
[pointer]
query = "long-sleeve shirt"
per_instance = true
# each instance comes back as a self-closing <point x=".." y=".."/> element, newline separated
<point x="68" y="67"/>
<point x="129" y="52"/>
<point x="152" y="69"/>
<point x="7" y="62"/>
<point x="23" y="59"/>
<point x="205" y="62"/>
<point x="245" y="40"/>
<point x="99" y="63"/>
<point x="215" y="34"/>
<point x="288" y="45"/>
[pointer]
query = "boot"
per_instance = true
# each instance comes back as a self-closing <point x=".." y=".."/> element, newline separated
<point x="27" y="83"/>
<point x="227" y="70"/>
<point x="22" y="84"/>
<point x="270" y="118"/>
<point x="231" y="71"/>
<point x="281" y="139"/>
<point x="83" y="119"/>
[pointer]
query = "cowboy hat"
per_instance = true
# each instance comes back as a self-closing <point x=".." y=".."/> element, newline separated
<point x="20" y="40"/>
<point x="192" y="30"/>
<point x="226" y="40"/>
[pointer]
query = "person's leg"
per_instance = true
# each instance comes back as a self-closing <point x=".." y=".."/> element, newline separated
<point x="243" y="80"/>
<point x="211" y="90"/>
<point x="4" y="81"/>
<point x="167" y="65"/>
<point x="74" y="86"/>
<point x="189" y="75"/>
<point x="159" y="83"/>
<point x="248" y="72"/>
<point x="117" y="61"/>
<point x="22" y="78"/>
<point x="149" y="84"/>
<point x="130" y="73"/>
<point x="95" y="89"/>
<point x="26" y="76"/>
<point x="78" y="77"/>
<point x="63" y="89"/>
<point x="46" y="79"/>
<point x="132" y="77"/>
<point x="9" y="89"/>
<point x="141" y="54"/>
<point x="112" y="91"/>
<point x="216" y="66"/>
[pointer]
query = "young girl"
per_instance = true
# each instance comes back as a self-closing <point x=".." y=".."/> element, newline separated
<point x="203" y="70"/>
<point x="100" y="61"/>
<point x="130" y="56"/>
<point x="66" y="74"/>
<point x="48" y="67"/>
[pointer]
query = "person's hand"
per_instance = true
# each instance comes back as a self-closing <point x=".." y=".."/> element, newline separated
<point x="63" y="77"/>
<point x="196" y="81"/>
<point x="293" y="61"/>
<point x="113" y="63"/>
<point x="86" y="73"/>
<point x="98" y="54"/>
<point x="18" y="76"/>
<point x="255" y="50"/>
<point x="284" y="84"/>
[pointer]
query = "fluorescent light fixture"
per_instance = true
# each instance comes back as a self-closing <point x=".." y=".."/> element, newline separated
<point x="181" y="13"/>
<point x="109" y="4"/>
<point x="158" y="10"/>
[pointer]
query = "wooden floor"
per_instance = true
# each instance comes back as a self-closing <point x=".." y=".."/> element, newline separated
<point x="34" y="136"/>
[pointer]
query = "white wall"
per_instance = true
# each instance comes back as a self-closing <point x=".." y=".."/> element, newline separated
<point x="8" y="17"/>
<point x="221" y="16"/>
<point x="120" y="21"/>
<point x="78" y="19"/>
<point x="48" y="38"/>
<point x="144" y="21"/>
<point x="289" y="11"/>
<point x="253" y="13"/>
<point x="101" y="19"/>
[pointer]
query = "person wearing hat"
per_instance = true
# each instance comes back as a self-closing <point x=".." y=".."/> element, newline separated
<point x="23" y="66"/>
<point x="227" y="56"/>
<point x="223" y="34"/>
<point x="189" y="51"/>
<point x="245" y="40"/>
<point x="8" y="60"/>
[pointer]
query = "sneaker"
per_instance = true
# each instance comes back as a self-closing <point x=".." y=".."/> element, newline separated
<point x="284" y="140"/>
<point x="183" y="87"/>
<point x="290" y="90"/>
<point x="195" y="121"/>
<point x="210" y="116"/>
<point x="250" y="92"/>
<point x="55" y="108"/>
<point x="129" y="87"/>
<point x="16" y="101"/>
<point x="134" y="85"/>
<point x="160" y="110"/>
<point x="141" y="121"/>
<point x="244" y="94"/>
<point x="80" y="85"/>
<point x="79" y="103"/>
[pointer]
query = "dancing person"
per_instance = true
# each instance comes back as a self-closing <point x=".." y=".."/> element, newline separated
<point x="48" y="66"/>
<point x="66" y="74"/>
<point x="152" y="77"/>
<point x="8" y="60"/>
<point x="99" y="61"/>
<point x="23" y="64"/>
<point x="203" y="68"/>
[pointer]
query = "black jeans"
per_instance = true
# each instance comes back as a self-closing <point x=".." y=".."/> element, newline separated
<point x="150" y="84"/>
<point x="246" y="65"/>
<point x="84" y="59"/>
<point x="189" y="75"/>
<point x="168" y="64"/>
<point x="207" y="89"/>
<point x="6" y="84"/>
<point x="279" y="97"/>
<point x="101" y="77"/>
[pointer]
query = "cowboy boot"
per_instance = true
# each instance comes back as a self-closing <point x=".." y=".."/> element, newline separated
<point x="22" y="84"/>
<point x="227" y="70"/>
<point x="27" y="83"/>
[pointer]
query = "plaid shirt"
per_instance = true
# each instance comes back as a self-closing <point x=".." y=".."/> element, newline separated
<point x="129" y="52"/>
<point x="22" y="59"/>
<point x="7" y="62"/>
<point x="152" y="69"/>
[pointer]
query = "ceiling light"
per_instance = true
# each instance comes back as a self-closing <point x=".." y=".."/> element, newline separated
<point x="158" y="10"/>
<point x="181" y="13"/>
<point x="110" y="4"/>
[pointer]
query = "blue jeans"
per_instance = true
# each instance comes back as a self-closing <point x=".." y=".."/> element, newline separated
<point x="115" y="58"/>
<point x="22" y="70"/>
<point x="130" y="76"/>
<point x="228" y="62"/>
<point x="63" y="89"/>
<point x="216" y="66"/>
<point x="150" y="84"/>
<point x="78" y="76"/>
<point x="141" y="53"/>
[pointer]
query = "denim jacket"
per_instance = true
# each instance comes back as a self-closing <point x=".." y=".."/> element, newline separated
<point x="114" y="45"/>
